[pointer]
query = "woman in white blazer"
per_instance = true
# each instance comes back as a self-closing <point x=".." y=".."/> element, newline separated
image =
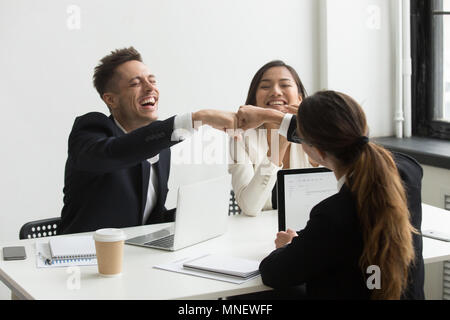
<point x="254" y="164"/>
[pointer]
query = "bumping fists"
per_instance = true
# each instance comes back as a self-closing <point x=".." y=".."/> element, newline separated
<point x="247" y="117"/>
<point x="250" y="117"/>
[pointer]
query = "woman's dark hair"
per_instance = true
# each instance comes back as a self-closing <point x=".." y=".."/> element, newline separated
<point x="335" y="123"/>
<point x="251" y="96"/>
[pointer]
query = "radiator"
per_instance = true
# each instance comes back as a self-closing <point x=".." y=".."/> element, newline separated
<point x="446" y="275"/>
<point x="446" y="293"/>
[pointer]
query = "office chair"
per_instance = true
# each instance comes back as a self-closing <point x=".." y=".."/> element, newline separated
<point x="40" y="228"/>
<point x="233" y="207"/>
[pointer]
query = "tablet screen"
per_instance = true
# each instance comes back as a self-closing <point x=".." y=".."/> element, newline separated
<point x="299" y="191"/>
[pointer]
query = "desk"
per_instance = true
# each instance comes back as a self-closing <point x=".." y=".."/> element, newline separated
<point x="436" y="219"/>
<point x="246" y="237"/>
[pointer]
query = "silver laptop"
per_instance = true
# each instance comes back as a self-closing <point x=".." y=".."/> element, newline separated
<point x="201" y="214"/>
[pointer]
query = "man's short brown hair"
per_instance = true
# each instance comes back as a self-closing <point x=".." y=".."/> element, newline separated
<point x="105" y="70"/>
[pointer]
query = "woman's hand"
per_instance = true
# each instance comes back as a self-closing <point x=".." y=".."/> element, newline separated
<point x="292" y="109"/>
<point x="313" y="163"/>
<point x="284" y="238"/>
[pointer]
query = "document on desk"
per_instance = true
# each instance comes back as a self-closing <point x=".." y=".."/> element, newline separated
<point x="182" y="266"/>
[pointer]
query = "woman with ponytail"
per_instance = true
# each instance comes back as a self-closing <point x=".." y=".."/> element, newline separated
<point x="371" y="225"/>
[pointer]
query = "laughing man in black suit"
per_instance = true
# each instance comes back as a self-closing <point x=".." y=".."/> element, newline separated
<point x="118" y="166"/>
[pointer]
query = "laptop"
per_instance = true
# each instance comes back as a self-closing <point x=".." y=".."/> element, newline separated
<point x="298" y="191"/>
<point x="201" y="214"/>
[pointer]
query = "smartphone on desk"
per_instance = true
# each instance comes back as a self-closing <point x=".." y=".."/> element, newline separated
<point x="14" y="253"/>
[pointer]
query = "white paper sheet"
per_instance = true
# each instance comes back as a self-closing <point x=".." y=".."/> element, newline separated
<point x="177" y="266"/>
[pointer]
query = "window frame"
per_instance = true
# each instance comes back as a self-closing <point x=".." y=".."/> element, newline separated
<point x="426" y="54"/>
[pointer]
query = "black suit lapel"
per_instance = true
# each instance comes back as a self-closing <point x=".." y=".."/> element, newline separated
<point x="161" y="185"/>
<point x="145" y="181"/>
<point x="155" y="215"/>
<point x="160" y="169"/>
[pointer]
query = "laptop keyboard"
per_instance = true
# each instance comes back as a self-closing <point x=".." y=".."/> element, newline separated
<point x="166" y="242"/>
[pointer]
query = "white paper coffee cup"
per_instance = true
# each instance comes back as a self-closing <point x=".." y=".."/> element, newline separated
<point x="109" y="249"/>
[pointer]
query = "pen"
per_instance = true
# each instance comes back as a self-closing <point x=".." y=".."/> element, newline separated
<point x="46" y="259"/>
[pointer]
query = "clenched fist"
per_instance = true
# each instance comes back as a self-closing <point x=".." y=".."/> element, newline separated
<point x="283" y="238"/>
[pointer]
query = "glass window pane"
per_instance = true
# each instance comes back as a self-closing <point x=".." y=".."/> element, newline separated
<point x="445" y="112"/>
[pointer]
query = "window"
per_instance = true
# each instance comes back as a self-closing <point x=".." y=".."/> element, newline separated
<point x="430" y="45"/>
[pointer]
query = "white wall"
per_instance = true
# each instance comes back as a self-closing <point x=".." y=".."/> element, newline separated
<point x="358" y="56"/>
<point x="435" y="185"/>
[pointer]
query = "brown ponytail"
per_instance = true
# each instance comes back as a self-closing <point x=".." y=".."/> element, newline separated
<point x="334" y="123"/>
<point x="384" y="218"/>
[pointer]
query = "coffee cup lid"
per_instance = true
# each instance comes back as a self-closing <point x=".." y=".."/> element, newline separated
<point x="109" y="235"/>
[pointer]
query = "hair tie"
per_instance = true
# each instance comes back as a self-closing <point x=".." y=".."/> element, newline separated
<point x="363" y="140"/>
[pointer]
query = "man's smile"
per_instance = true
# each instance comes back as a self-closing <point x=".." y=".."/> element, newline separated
<point x="148" y="103"/>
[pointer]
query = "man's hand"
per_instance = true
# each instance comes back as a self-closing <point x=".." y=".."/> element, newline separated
<point x="220" y="120"/>
<point x="283" y="238"/>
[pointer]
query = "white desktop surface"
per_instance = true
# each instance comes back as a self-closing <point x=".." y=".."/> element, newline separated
<point x="249" y="237"/>
<point x="439" y="220"/>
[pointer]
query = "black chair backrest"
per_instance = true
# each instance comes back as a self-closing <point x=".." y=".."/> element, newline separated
<point x="233" y="208"/>
<point x="40" y="228"/>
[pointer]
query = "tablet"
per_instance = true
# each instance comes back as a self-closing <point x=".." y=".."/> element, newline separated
<point x="298" y="191"/>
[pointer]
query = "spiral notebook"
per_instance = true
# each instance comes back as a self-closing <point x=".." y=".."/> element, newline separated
<point x="66" y="251"/>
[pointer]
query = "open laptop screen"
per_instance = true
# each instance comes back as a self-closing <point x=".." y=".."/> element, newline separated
<point x="298" y="191"/>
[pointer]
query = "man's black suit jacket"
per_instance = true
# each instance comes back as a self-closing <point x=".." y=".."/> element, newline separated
<point x="325" y="254"/>
<point x="107" y="174"/>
